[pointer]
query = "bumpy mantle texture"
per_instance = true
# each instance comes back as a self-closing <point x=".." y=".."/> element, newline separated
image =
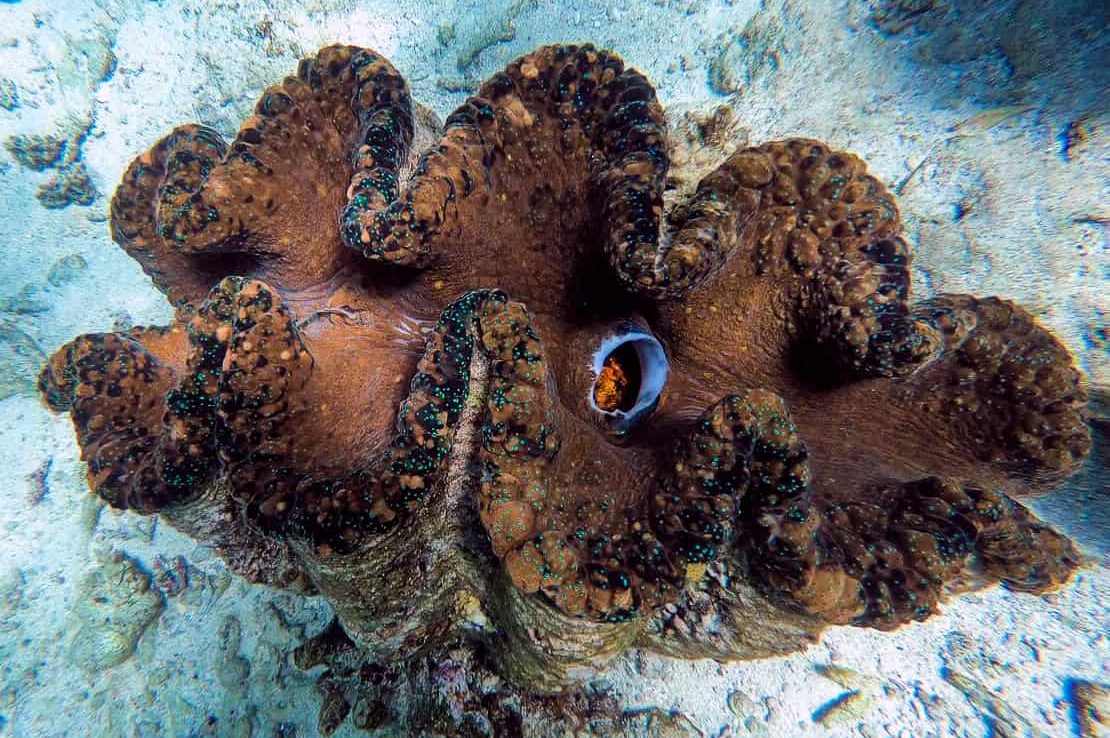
<point x="500" y="383"/>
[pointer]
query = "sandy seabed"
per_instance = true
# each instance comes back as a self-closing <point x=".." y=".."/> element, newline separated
<point x="989" y="124"/>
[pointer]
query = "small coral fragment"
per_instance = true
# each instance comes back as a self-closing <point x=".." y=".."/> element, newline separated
<point x="1090" y="703"/>
<point x="70" y="185"/>
<point x="171" y="575"/>
<point x="115" y="605"/>
<point x="744" y="55"/>
<point x="36" y="151"/>
<point x="851" y="707"/>
<point x="9" y="94"/>
<point x="66" y="269"/>
<point x="999" y="714"/>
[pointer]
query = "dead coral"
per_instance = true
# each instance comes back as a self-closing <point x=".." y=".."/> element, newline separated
<point x="747" y="54"/>
<point x="70" y="185"/>
<point x="66" y="269"/>
<point x="36" y="151"/>
<point x="115" y="604"/>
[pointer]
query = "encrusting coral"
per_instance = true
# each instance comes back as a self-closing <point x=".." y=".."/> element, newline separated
<point x="414" y="372"/>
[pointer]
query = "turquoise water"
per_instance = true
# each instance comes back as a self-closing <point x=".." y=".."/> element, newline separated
<point x="986" y="124"/>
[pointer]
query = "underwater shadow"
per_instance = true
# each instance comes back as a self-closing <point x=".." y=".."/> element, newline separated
<point x="1053" y="55"/>
<point x="1081" y="507"/>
